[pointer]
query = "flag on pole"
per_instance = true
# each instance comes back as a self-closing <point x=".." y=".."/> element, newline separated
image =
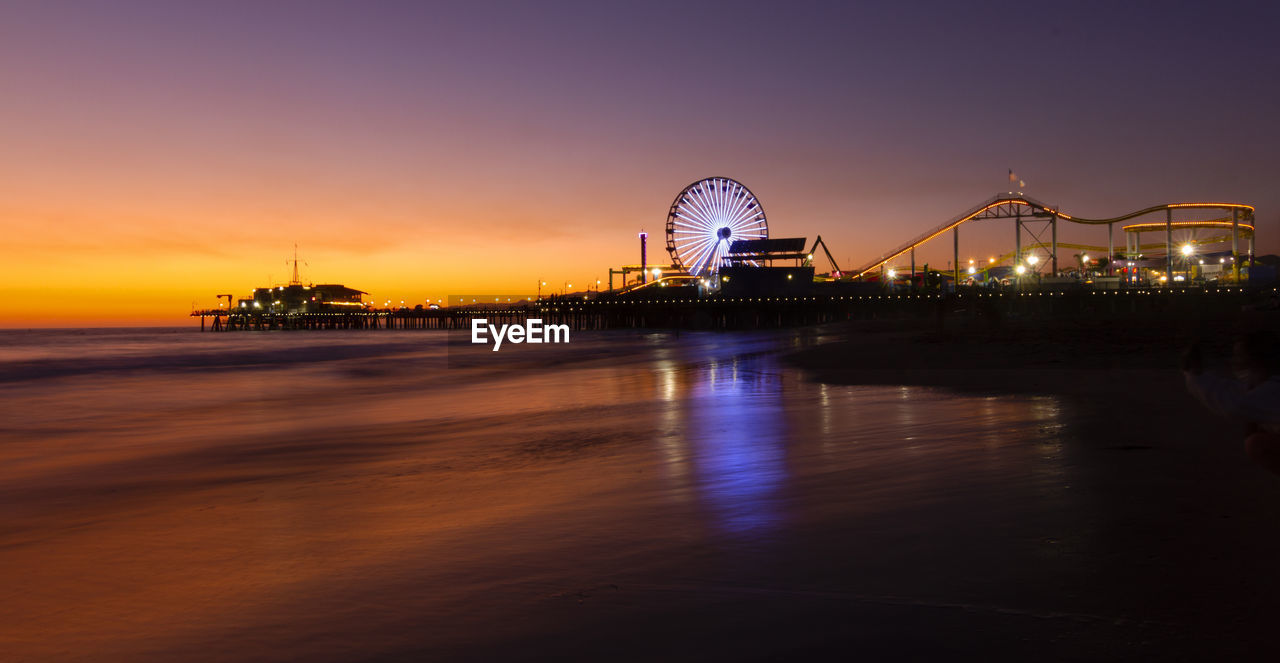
<point x="1012" y="178"/>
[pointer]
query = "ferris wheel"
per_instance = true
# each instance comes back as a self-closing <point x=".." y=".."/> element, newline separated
<point x="706" y="218"/>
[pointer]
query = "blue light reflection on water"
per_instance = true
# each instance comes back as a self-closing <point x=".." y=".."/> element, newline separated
<point x="734" y="427"/>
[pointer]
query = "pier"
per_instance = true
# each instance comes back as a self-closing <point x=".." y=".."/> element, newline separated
<point x="717" y="313"/>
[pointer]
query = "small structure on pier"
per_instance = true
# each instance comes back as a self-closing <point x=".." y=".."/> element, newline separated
<point x="299" y="298"/>
<point x="749" y="268"/>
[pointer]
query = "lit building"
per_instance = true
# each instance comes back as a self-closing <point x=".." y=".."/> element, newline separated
<point x="298" y="298"/>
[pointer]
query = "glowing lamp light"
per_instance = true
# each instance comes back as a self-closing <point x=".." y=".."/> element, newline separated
<point x="1021" y="270"/>
<point x="893" y="273"/>
<point x="656" y="272"/>
<point x="1186" y="249"/>
<point x="973" y="271"/>
<point x="1033" y="259"/>
<point x="991" y="261"/>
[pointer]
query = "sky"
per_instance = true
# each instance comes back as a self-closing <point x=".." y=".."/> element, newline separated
<point x="156" y="154"/>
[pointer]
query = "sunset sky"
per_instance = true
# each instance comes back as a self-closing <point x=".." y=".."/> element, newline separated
<point x="156" y="154"/>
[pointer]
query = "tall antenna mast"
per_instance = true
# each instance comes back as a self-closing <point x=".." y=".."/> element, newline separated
<point x="296" y="280"/>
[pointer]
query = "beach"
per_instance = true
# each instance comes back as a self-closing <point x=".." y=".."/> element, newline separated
<point x="878" y="490"/>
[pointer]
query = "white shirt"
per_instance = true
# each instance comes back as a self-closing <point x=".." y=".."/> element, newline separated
<point x="1229" y="398"/>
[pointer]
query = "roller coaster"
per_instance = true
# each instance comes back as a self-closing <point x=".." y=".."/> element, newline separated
<point x="1024" y="210"/>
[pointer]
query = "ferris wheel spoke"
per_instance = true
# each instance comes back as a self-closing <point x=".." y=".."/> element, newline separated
<point x="694" y="205"/>
<point x="713" y="257"/>
<point x="744" y="213"/>
<point x="698" y="219"/>
<point x="695" y="218"/>
<point x="699" y="240"/>
<point x="717" y="200"/>
<point x="695" y="249"/>
<point x="713" y="201"/>
<point x="721" y="250"/>
<point x="691" y="229"/>
<point x="704" y="210"/>
<point x="697" y="263"/>
<point x="745" y="210"/>
<point x="684" y="211"/>
<point x="739" y="213"/>
<point x="732" y="198"/>
<point x="749" y="223"/>
<point x="722" y="201"/>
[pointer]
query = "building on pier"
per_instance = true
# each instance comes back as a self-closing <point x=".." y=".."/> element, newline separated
<point x="299" y="298"/>
<point x="751" y="268"/>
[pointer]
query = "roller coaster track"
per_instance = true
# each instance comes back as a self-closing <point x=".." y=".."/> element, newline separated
<point x="1011" y="206"/>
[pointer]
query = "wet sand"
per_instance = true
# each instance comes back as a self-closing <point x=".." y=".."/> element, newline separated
<point x="692" y="498"/>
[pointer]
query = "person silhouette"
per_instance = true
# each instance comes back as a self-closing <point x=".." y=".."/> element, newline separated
<point x="1253" y="398"/>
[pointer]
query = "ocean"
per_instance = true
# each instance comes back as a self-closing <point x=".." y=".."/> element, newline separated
<point x="173" y="495"/>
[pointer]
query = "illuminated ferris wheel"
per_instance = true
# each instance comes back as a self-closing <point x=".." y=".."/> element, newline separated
<point x="706" y="218"/>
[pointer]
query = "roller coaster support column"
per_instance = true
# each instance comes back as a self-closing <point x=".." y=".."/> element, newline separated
<point x="1111" y="247"/>
<point x="913" y="269"/>
<point x="1017" y="241"/>
<point x="1168" y="245"/>
<point x="1054" y="240"/>
<point x="955" y="244"/>
<point x="1235" y="245"/>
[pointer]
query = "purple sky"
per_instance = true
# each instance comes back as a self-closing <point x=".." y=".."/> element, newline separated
<point x="533" y="139"/>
